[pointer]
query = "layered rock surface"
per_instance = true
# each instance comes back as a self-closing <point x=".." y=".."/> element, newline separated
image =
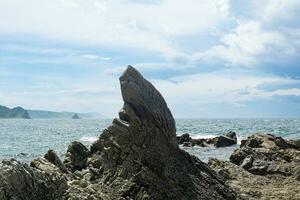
<point x="264" y="167"/>
<point x="137" y="157"/>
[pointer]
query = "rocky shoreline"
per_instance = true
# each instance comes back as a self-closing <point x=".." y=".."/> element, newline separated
<point x="264" y="167"/>
<point x="138" y="157"/>
<point x="226" y="140"/>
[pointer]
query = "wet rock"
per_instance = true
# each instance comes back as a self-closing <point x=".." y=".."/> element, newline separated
<point x="228" y="139"/>
<point x="223" y="141"/>
<point x="184" y="138"/>
<point x="231" y="135"/>
<point x="187" y="144"/>
<point x="76" y="156"/>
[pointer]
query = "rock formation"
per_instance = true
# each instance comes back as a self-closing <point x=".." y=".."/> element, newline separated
<point x="228" y="139"/>
<point x="264" y="167"/>
<point x="137" y="157"/>
<point x="20" y="182"/>
<point x="17" y="112"/>
<point x="75" y="116"/>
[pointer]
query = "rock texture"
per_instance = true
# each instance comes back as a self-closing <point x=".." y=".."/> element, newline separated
<point x="264" y="167"/>
<point x="137" y="157"/>
<point x="228" y="139"/>
<point x="21" y="182"/>
<point x="76" y="156"/>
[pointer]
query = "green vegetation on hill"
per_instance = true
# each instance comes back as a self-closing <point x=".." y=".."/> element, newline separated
<point x="17" y="112"/>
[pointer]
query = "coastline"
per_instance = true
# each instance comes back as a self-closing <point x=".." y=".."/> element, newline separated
<point x="138" y="157"/>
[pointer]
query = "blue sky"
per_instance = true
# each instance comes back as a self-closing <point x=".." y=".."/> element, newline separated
<point x="216" y="58"/>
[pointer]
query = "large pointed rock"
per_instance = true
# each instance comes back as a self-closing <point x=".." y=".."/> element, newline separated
<point x="138" y="156"/>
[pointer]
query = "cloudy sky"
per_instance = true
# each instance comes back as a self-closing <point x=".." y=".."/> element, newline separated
<point x="209" y="58"/>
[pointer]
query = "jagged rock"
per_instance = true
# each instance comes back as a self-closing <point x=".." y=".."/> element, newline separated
<point x="21" y="182"/>
<point x="264" y="167"/>
<point x="76" y="156"/>
<point x="269" y="155"/>
<point x="252" y="187"/>
<point x="228" y="139"/>
<point x="232" y="135"/>
<point x="54" y="159"/>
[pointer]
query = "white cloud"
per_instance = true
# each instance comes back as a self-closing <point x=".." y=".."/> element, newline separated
<point x="119" y="23"/>
<point x="247" y="44"/>
<point x="95" y="57"/>
<point x="281" y="10"/>
<point x="230" y="88"/>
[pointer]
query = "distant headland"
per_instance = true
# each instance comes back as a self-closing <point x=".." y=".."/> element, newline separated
<point x="22" y="113"/>
<point x="17" y="112"/>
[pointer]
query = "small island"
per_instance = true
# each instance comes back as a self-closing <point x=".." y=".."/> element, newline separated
<point x="75" y="116"/>
<point x="17" y="112"/>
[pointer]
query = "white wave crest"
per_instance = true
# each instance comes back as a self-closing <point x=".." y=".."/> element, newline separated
<point x="88" y="138"/>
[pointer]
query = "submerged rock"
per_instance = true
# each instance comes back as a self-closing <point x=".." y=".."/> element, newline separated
<point x="75" y="116"/>
<point x="137" y="157"/>
<point x="264" y="167"/>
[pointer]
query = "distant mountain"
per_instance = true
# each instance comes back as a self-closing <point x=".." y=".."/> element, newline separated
<point x="17" y="112"/>
<point x="42" y="114"/>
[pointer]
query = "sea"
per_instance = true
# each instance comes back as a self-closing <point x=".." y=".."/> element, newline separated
<point x="26" y="140"/>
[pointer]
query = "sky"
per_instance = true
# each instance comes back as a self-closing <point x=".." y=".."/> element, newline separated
<point x="208" y="58"/>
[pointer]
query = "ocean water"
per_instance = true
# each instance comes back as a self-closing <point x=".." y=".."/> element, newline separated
<point x="29" y="139"/>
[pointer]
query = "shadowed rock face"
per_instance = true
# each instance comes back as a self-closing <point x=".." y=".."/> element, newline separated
<point x="143" y="103"/>
<point x="137" y="157"/>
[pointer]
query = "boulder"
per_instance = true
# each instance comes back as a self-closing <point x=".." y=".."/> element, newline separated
<point x="231" y="135"/>
<point x="76" y="156"/>
<point x="223" y="141"/>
